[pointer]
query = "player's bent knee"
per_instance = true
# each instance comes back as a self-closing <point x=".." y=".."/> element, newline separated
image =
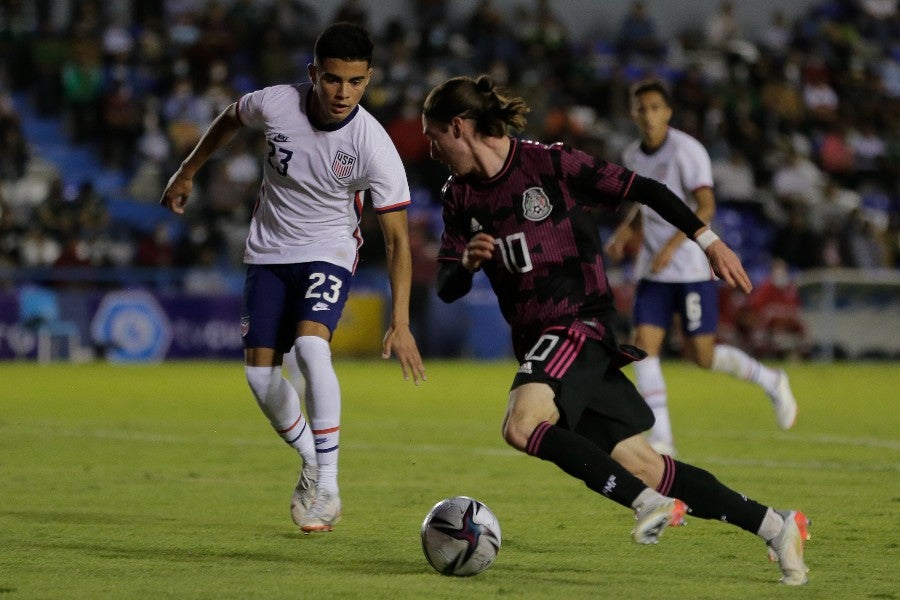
<point x="512" y="439"/>
<point x="515" y="435"/>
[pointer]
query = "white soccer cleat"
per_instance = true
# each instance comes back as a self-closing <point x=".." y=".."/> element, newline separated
<point x="304" y="493"/>
<point x="323" y="514"/>
<point x="787" y="547"/>
<point x="783" y="402"/>
<point x="654" y="517"/>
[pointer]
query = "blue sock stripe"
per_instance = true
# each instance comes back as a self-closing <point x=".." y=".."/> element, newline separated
<point x="291" y="441"/>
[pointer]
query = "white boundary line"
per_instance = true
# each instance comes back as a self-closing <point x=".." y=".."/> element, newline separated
<point x="502" y="451"/>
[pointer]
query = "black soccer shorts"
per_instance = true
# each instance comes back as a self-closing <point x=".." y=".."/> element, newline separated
<point x="594" y="397"/>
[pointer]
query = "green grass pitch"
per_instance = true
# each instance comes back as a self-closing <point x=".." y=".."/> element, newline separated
<point x="165" y="481"/>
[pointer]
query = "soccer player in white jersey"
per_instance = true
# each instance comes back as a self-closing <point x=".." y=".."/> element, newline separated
<point x="325" y="155"/>
<point x="673" y="273"/>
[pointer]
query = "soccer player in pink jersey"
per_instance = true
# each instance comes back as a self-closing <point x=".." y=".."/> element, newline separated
<point x="523" y="212"/>
<point x="325" y="157"/>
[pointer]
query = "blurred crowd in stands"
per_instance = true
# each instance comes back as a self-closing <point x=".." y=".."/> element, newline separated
<point x="801" y="119"/>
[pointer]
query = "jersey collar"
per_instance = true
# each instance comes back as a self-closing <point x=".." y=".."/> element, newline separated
<point x="650" y="152"/>
<point x="326" y="126"/>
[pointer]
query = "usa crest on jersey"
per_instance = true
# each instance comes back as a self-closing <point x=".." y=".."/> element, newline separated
<point x="535" y="204"/>
<point x="342" y="165"/>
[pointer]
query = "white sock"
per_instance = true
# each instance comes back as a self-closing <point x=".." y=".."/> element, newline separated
<point x="771" y="525"/>
<point x="740" y="365"/>
<point x="650" y="383"/>
<point x="294" y="375"/>
<point x="280" y="403"/>
<point x="323" y="405"/>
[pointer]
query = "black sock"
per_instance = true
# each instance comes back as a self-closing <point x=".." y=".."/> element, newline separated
<point x="581" y="458"/>
<point x="707" y="497"/>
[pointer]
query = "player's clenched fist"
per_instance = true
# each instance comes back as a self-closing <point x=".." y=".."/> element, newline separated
<point x="176" y="194"/>
<point x="479" y="249"/>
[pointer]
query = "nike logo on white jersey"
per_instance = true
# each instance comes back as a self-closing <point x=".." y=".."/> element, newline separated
<point x="320" y="306"/>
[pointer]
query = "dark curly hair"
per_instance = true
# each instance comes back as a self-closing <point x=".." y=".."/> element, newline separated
<point x="346" y="41"/>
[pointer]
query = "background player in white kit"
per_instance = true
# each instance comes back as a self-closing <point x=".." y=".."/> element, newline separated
<point x="673" y="273"/>
<point x="325" y="155"/>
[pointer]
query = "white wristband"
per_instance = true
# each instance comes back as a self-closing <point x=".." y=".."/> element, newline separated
<point x="706" y="239"/>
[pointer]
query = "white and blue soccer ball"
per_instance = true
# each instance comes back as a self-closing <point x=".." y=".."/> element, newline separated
<point x="460" y="536"/>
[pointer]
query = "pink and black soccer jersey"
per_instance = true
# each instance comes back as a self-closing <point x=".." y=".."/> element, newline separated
<point x="315" y="179"/>
<point x="547" y="268"/>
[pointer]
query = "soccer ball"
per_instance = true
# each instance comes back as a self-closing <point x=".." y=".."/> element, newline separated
<point x="460" y="536"/>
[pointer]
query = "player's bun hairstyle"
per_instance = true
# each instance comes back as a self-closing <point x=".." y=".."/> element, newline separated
<point x="643" y="86"/>
<point x="494" y="112"/>
<point x="346" y="41"/>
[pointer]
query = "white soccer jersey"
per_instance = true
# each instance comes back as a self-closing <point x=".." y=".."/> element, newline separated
<point x="683" y="165"/>
<point x="315" y="180"/>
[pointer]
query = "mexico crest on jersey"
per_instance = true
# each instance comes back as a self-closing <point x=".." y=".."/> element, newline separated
<point x="535" y="204"/>
<point x="342" y="165"/>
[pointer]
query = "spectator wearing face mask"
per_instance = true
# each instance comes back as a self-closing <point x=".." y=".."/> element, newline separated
<point x="775" y="307"/>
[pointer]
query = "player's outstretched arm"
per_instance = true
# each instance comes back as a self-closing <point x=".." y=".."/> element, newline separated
<point x="399" y="340"/>
<point x="222" y="129"/>
<point x="705" y="211"/>
<point x="724" y="262"/>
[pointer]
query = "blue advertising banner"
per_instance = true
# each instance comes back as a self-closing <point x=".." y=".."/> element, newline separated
<point x="204" y="326"/>
<point x="121" y="325"/>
